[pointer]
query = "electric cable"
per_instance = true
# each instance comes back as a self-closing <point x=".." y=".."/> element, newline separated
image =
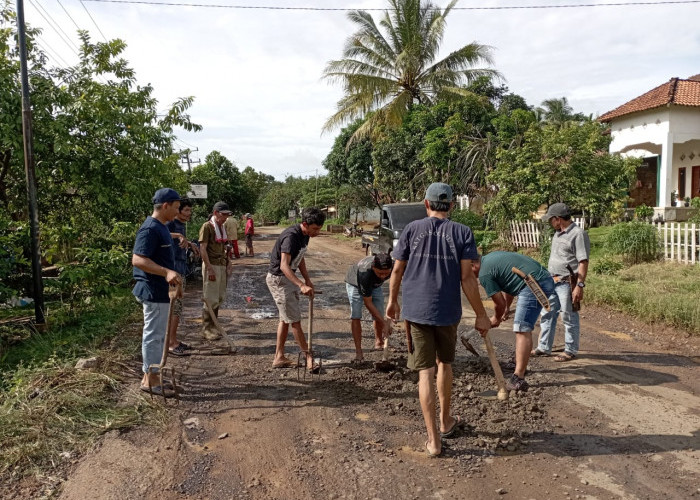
<point x="59" y="31"/>
<point x="93" y="20"/>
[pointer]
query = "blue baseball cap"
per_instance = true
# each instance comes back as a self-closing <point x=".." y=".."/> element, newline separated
<point x="165" y="195"/>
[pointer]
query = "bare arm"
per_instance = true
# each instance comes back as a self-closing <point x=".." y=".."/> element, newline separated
<point x="499" y="300"/>
<point x="285" y="261"/>
<point x="183" y="241"/>
<point x="150" y="267"/>
<point x="470" y="287"/>
<point x="393" y="310"/>
<point x="577" y="292"/>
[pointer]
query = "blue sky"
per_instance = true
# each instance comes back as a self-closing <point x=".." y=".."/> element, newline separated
<point x="255" y="74"/>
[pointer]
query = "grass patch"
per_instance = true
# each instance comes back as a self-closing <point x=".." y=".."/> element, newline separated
<point x="655" y="292"/>
<point x="50" y="411"/>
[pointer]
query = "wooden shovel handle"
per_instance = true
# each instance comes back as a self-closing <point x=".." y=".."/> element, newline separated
<point x="500" y="380"/>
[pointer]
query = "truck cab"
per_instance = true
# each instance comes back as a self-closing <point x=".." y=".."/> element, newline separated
<point x="394" y="218"/>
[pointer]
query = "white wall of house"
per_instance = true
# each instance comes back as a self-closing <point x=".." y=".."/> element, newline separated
<point x="671" y="132"/>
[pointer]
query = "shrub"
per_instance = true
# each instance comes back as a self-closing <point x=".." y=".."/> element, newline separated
<point x="607" y="265"/>
<point x="14" y="264"/>
<point x="695" y="203"/>
<point x="635" y="242"/>
<point x="468" y="218"/>
<point x="485" y="239"/>
<point x="643" y="212"/>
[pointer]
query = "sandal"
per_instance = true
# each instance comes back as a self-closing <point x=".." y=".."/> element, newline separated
<point x="538" y="352"/>
<point x="457" y="425"/>
<point x="430" y="453"/>
<point x="157" y="390"/>
<point x="567" y="356"/>
<point x="315" y="369"/>
<point x="179" y="350"/>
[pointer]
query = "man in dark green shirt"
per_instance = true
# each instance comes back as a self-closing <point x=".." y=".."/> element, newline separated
<point x="495" y="271"/>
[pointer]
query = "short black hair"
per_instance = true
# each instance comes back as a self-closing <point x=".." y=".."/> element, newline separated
<point x="313" y="215"/>
<point x="383" y="261"/>
<point x="185" y="202"/>
<point x="440" y="206"/>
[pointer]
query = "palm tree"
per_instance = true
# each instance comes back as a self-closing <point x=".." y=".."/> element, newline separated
<point x="386" y="71"/>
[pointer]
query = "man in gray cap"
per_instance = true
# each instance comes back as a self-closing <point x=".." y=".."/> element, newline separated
<point x="434" y="260"/>
<point x="570" y="250"/>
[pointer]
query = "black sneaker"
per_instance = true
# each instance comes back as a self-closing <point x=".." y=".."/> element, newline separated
<point x="515" y="383"/>
<point x="179" y="350"/>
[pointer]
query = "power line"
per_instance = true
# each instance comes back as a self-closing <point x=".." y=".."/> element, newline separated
<point x="53" y="53"/>
<point x="345" y="9"/>
<point x="93" y="20"/>
<point x="68" y="14"/>
<point x="59" y="31"/>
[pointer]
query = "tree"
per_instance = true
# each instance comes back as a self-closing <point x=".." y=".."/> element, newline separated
<point x="223" y="182"/>
<point x="254" y="185"/>
<point x="558" y="111"/>
<point x="351" y="163"/>
<point x="385" y="73"/>
<point x="568" y="163"/>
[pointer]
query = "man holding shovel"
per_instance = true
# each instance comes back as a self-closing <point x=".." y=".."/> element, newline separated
<point x="154" y="270"/>
<point x="286" y="257"/>
<point x="363" y="283"/>
<point x="495" y="272"/>
<point x="215" y="267"/>
<point x="433" y="260"/>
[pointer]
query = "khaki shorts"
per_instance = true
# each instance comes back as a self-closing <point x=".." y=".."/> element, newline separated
<point x="286" y="296"/>
<point x="430" y="342"/>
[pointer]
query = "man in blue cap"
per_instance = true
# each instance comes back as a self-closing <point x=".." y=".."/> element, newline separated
<point x="154" y="270"/>
<point x="434" y="260"/>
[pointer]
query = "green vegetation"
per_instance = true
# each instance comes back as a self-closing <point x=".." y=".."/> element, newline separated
<point x="635" y="242"/>
<point x="654" y="292"/>
<point x="47" y="407"/>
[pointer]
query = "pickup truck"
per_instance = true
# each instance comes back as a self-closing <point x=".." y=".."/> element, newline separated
<point x="394" y="218"/>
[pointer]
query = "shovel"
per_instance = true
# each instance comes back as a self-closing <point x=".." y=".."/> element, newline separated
<point x="301" y="360"/>
<point x="385" y="365"/>
<point x="217" y="325"/>
<point x="160" y="368"/>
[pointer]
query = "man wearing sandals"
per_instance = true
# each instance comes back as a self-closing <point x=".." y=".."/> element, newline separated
<point x="154" y="269"/>
<point x="570" y="249"/>
<point x="495" y="272"/>
<point x="286" y="257"/>
<point x="363" y="283"/>
<point x="433" y="260"/>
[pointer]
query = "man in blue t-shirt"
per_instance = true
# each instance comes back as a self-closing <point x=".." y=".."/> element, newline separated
<point x="154" y="270"/>
<point x="433" y="260"/>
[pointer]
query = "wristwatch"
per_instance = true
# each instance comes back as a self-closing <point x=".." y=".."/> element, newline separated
<point x="581" y="284"/>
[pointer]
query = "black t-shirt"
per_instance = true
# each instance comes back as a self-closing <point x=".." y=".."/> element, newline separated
<point x="362" y="276"/>
<point x="291" y="241"/>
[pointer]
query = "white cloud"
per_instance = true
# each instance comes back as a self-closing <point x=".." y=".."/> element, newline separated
<point x="255" y="74"/>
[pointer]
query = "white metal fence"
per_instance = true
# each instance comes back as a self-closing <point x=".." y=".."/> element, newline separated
<point x="680" y="240"/>
<point x="527" y="234"/>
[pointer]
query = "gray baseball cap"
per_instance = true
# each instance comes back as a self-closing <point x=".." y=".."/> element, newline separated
<point x="439" y="192"/>
<point x="556" y="210"/>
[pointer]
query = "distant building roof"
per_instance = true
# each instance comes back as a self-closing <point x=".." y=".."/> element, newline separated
<point x="675" y="91"/>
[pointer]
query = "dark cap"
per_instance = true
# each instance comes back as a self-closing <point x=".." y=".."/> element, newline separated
<point x="556" y="210"/>
<point x="165" y="195"/>
<point x="248" y="216"/>
<point x="382" y="261"/>
<point x="439" y="192"/>
<point x="222" y="208"/>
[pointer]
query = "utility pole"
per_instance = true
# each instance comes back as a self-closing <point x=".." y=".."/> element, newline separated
<point x="185" y="158"/>
<point x="29" y="171"/>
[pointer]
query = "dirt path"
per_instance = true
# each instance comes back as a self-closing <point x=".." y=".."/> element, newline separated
<point x="623" y="421"/>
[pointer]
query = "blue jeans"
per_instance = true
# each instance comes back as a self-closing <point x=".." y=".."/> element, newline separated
<point x="560" y="301"/>
<point x="356" y="300"/>
<point x="155" y="322"/>
<point x="528" y="309"/>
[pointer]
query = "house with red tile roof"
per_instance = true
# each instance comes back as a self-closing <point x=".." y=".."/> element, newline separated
<point x="663" y="127"/>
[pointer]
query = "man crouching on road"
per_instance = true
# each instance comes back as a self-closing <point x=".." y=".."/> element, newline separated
<point x="287" y="256"/>
<point x="433" y="259"/>
<point x="364" y="285"/>
<point x="496" y="275"/>
<point x="154" y="269"/>
<point x="212" y="243"/>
